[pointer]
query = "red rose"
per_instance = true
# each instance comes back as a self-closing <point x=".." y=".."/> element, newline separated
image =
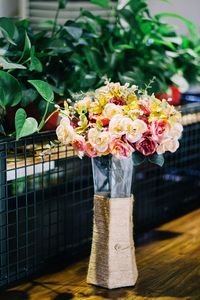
<point x="117" y="100"/>
<point x="144" y="107"/>
<point x="146" y="146"/>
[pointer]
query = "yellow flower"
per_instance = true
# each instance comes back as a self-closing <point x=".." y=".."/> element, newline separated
<point x="103" y="100"/>
<point x="95" y="108"/>
<point x="131" y="98"/>
<point x="82" y="106"/>
<point x="83" y="123"/>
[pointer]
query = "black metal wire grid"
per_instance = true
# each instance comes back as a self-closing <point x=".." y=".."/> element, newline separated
<point x="162" y="194"/>
<point x="45" y="205"/>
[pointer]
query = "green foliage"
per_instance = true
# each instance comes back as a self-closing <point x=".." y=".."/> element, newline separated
<point x="44" y="89"/>
<point x="62" y="3"/>
<point x="63" y="59"/>
<point x="138" y="158"/>
<point x="10" y="91"/>
<point x="24" y="126"/>
<point x="157" y="159"/>
<point x="8" y="29"/>
<point x="102" y="3"/>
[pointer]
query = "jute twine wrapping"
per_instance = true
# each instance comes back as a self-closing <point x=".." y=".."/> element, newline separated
<point x="112" y="261"/>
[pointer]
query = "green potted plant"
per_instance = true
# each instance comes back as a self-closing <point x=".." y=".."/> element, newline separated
<point x="78" y="55"/>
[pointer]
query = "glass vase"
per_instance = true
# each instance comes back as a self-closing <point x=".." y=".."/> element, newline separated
<point x="112" y="177"/>
<point x="112" y="260"/>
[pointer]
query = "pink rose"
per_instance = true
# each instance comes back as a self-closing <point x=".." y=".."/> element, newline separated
<point x="159" y="129"/>
<point x="120" y="149"/>
<point x="146" y="146"/>
<point x="78" y="143"/>
<point x="117" y="100"/>
<point x="90" y="151"/>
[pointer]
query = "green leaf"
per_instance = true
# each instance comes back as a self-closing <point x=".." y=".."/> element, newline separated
<point x="74" y="32"/>
<point x="88" y="80"/>
<point x="9" y="65"/>
<point x="28" y="96"/>
<point x="24" y="126"/>
<point x="157" y="159"/>
<point x="102" y="3"/>
<point x="92" y="58"/>
<point x="43" y="89"/>
<point x="10" y="90"/>
<point x="62" y="3"/>
<point x="27" y="49"/>
<point x="192" y="28"/>
<point x="8" y="29"/>
<point x="35" y="64"/>
<point x="138" y="158"/>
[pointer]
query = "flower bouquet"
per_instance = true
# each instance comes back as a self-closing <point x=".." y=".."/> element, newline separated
<point x="118" y="126"/>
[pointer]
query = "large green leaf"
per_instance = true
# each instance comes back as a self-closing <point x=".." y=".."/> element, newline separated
<point x="102" y="3"/>
<point x="74" y="31"/>
<point x="6" y="65"/>
<point x="43" y="89"/>
<point x="10" y="90"/>
<point x="24" y="126"/>
<point x="8" y="29"/>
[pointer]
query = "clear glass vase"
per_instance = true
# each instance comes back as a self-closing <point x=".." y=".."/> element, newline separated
<point x="112" y="177"/>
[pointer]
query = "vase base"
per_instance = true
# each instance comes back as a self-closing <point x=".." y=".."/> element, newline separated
<point x="112" y="260"/>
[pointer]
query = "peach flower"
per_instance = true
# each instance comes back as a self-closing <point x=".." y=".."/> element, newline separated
<point x="120" y="149"/>
<point x="90" y="151"/>
<point x="168" y="144"/>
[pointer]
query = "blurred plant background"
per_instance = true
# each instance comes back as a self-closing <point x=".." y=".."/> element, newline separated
<point x="43" y="67"/>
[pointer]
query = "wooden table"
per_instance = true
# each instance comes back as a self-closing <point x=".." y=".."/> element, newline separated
<point x="169" y="268"/>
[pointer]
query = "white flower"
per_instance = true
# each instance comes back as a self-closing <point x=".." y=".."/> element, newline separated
<point x="111" y="109"/>
<point x="176" y="131"/>
<point x="65" y="132"/>
<point x="133" y="129"/>
<point x="116" y="126"/>
<point x="99" y="140"/>
<point x="168" y="144"/>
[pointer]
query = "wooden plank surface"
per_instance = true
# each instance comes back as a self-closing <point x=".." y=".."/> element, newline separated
<point x="169" y="268"/>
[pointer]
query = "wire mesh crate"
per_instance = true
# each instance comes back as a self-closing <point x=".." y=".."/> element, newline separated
<point x="46" y="202"/>
<point x="45" y="205"/>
